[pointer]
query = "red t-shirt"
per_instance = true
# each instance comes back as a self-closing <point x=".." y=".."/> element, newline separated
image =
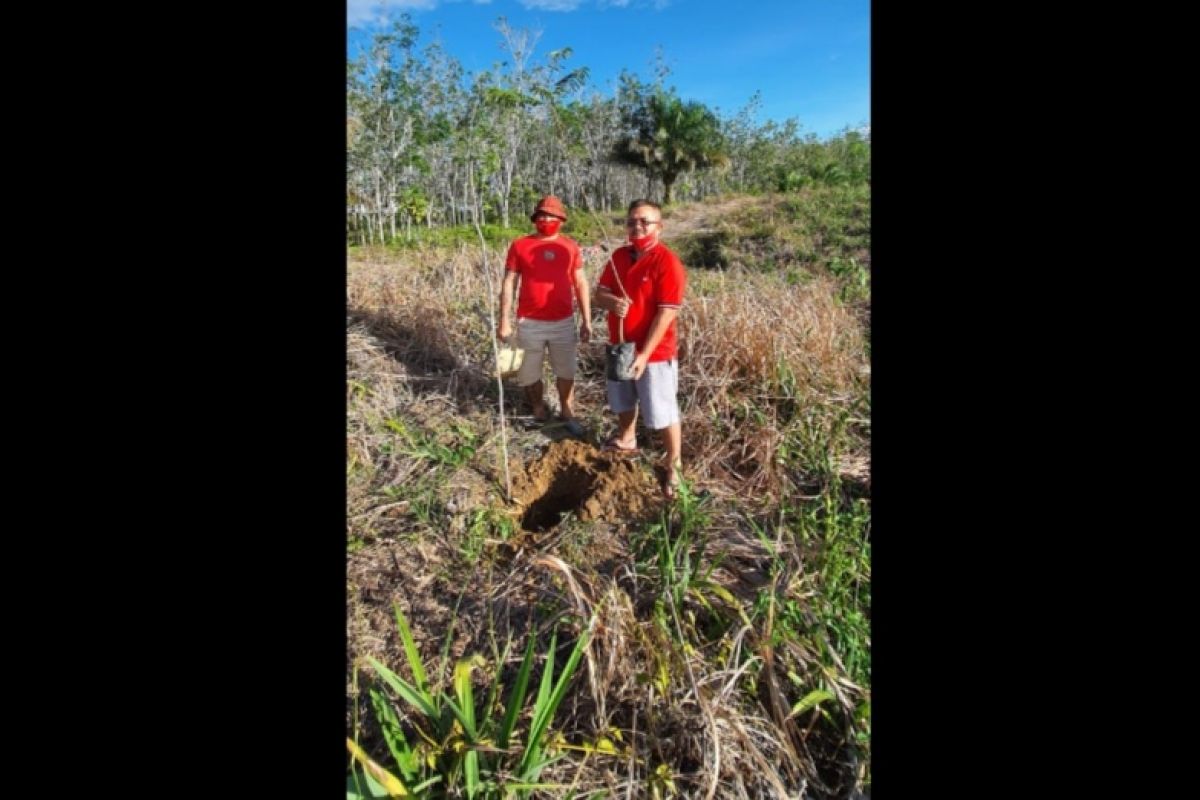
<point x="547" y="271"/>
<point x="655" y="280"/>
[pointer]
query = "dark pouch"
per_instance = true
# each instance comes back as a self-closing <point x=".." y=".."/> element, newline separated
<point x="619" y="358"/>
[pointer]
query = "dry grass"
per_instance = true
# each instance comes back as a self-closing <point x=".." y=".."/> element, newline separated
<point x="774" y="388"/>
<point x="755" y="355"/>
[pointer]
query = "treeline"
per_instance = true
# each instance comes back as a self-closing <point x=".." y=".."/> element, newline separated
<point x="428" y="144"/>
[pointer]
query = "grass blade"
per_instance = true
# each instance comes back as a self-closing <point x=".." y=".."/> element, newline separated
<point x="810" y="700"/>
<point x="414" y="696"/>
<point x="544" y="711"/>
<point x="449" y="638"/>
<point x="395" y="787"/>
<point x="533" y="747"/>
<point x="471" y="770"/>
<point x="486" y="727"/>
<point x="410" y="650"/>
<point x="547" y="683"/>
<point x="465" y="711"/>
<point x="389" y="726"/>
<point x="464" y="694"/>
<point x="361" y="786"/>
<point x="517" y="697"/>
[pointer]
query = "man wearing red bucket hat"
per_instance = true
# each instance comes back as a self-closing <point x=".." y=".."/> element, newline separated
<point x="549" y="265"/>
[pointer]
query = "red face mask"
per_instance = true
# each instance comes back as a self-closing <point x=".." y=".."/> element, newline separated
<point x="643" y="242"/>
<point x="547" y="227"/>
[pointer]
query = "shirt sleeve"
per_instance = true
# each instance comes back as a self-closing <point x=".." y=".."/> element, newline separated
<point x="671" y="282"/>
<point x="512" y="262"/>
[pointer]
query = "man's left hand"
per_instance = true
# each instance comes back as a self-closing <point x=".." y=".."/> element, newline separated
<point x="639" y="365"/>
<point x="585" y="332"/>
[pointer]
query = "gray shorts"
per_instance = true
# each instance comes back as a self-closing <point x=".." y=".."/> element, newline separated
<point x="535" y="336"/>
<point x="655" y="392"/>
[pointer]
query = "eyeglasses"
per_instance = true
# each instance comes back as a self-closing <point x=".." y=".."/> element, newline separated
<point x="645" y="223"/>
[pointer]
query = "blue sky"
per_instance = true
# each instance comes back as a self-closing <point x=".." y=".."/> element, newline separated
<point x="810" y="59"/>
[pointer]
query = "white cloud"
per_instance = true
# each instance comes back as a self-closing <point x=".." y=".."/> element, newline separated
<point x="571" y="5"/>
<point x="361" y="12"/>
<point x="552" y="5"/>
<point x="367" y="12"/>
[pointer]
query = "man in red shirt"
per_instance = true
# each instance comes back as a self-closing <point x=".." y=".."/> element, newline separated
<point x="549" y="265"/>
<point x="646" y="292"/>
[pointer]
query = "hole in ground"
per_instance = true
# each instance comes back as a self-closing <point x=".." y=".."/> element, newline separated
<point x="573" y="476"/>
<point x="569" y="489"/>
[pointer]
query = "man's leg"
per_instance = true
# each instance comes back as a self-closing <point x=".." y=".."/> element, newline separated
<point x="535" y="395"/>
<point x="658" y="392"/>
<point x="673" y="442"/>
<point x="626" y="436"/>
<point x="566" y="396"/>
<point x="563" y="346"/>
<point x="531" y="338"/>
<point x="622" y="398"/>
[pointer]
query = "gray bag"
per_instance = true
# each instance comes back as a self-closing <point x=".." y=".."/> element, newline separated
<point x="620" y="360"/>
<point x="620" y="356"/>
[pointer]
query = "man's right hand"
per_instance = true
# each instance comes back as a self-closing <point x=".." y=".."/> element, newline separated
<point x="621" y="306"/>
<point x="504" y="330"/>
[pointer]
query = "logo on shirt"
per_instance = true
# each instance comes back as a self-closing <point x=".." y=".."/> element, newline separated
<point x="548" y="255"/>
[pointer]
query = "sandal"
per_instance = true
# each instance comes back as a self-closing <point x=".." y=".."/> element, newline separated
<point x="573" y="427"/>
<point x="614" y="445"/>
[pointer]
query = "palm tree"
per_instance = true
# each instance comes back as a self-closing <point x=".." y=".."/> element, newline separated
<point x="666" y="137"/>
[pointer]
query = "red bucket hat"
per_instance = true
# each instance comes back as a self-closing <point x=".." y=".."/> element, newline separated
<point x="550" y="205"/>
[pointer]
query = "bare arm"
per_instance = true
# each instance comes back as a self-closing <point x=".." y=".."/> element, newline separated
<point x="585" y="307"/>
<point x="658" y="328"/>
<point x="605" y="299"/>
<point x="504" y="328"/>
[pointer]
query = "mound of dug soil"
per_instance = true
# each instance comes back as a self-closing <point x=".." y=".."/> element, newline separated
<point x="574" y="476"/>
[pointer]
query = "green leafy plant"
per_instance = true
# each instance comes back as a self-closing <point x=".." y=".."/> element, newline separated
<point x="462" y="747"/>
<point x="421" y="444"/>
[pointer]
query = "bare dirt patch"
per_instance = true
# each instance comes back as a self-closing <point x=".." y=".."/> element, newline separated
<point x="694" y="218"/>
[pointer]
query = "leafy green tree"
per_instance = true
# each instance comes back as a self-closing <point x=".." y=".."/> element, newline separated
<point x="398" y="104"/>
<point x="666" y="136"/>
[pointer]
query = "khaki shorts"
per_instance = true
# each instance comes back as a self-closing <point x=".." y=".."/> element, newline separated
<point x="535" y="336"/>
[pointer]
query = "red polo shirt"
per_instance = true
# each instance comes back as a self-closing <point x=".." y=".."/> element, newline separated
<point x="656" y="280"/>
<point x="547" y="270"/>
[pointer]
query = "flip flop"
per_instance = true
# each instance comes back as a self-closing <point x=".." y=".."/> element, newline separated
<point x="612" y="445"/>
<point x="573" y="427"/>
